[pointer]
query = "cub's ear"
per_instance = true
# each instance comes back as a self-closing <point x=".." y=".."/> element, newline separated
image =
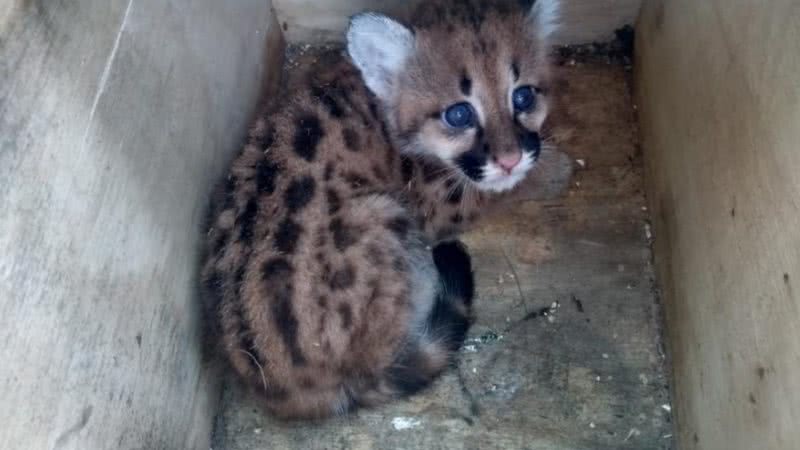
<point x="545" y="18"/>
<point x="379" y="47"/>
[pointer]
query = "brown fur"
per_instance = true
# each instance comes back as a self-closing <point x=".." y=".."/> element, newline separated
<point x="319" y="234"/>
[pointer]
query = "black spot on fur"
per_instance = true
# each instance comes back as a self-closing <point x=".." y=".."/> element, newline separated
<point x="286" y="323"/>
<point x="299" y="193"/>
<point x="264" y="141"/>
<point x="407" y="167"/>
<point x="399" y="226"/>
<point x="328" y="171"/>
<point x="455" y="194"/>
<point x="465" y="85"/>
<point x="266" y="173"/>
<point x="277" y="268"/>
<point x="471" y="163"/>
<point x="287" y="235"/>
<point x="351" y="140"/>
<point x="307" y="136"/>
<point x="457" y="218"/>
<point x="343" y="278"/>
<point x="355" y="180"/>
<point x="247" y="220"/>
<point x="330" y="103"/>
<point x="374" y="255"/>
<point x="430" y="172"/>
<point x="334" y="202"/>
<point x="344" y="236"/>
<point x="220" y="240"/>
<point x="405" y="373"/>
<point x="346" y="313"/>
<point x="277" y="273"/>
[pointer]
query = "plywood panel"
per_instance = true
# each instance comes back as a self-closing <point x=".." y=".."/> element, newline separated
<point x="720" y="111"/>
<point x="115" y="119"/>
<point x="314" y="21"/>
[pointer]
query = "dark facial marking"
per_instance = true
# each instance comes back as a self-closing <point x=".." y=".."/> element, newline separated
<point x="351" y="140"/>
<point x="266" y="172"/>
<point x="465" y="85"/>
<point x="334" y="202"/>
<point x="246" y="221"/>
<point x="344" y="236"/>
<point x="299" y="193"/>
<point x="346" y="314"/>
<point x="307" y="136"/>
<point x="287" y="235"/>
<point x="457" y="218"/>
<point x="343" y="278"/>
<point x="471" y="163"/>
<point x="515" y="70"/>
<point x="530" y="142"/>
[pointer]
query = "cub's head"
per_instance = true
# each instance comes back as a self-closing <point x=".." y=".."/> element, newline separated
<point x="467" y="82"/>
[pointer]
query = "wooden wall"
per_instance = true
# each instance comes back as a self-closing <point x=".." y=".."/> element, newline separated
<point x="323" y="21"/>
<point x="116" y="117"/>
<point x="719" y="97"/>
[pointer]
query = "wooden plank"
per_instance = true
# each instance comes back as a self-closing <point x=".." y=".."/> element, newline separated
<point x="116" y="117"/>
<point x="311" y="21"/>
<point x="719" y="94"/>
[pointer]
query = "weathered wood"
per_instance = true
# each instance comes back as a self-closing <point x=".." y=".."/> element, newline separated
<point x="719" y="100"/>
<point x="313" y="21"/>
<point x="115" y="119"/>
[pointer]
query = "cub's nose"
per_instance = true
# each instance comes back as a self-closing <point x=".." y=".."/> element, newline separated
<point x="508" y="161"/>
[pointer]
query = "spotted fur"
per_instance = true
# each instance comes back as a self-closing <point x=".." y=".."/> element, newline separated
<point x="321" y="281"/>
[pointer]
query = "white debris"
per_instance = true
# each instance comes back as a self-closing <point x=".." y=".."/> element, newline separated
<point x="591" y="425"/>
<point x="257" y="430"/>
<point x="643" y="379"/>
<point x="644" y="208"/>
<point x="581" y="162"/>
<point x="474" y="370"/>
<point x="605" y="355"/>
<point x="405" y="423"/>
<point x="647" y="232"/>
<point x="666" y="436"/>
<point x="598" y="378"/>
<point x="666" y="407"/>
<point x="471" y="348"/>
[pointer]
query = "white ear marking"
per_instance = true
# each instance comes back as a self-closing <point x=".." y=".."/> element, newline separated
<point x="545" y="15"/>
<point x="379" y="47"/>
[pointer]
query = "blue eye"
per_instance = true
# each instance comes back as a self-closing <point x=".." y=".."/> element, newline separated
<point x="524" y="98"/>
<point x="459" y="115"/>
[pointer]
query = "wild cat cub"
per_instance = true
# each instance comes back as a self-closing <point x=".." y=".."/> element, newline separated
<point x="323" y="289"/>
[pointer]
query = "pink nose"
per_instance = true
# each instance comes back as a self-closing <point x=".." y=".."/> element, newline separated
<point x="509" y="160"/>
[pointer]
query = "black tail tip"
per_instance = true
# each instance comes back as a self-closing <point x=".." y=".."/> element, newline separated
<point x="455" y="268"/>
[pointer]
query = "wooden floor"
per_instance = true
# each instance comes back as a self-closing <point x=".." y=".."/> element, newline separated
<point x="566" y="353"/>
